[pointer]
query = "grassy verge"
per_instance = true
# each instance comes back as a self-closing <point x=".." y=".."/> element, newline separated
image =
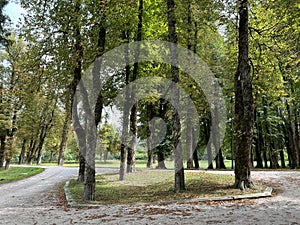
<point x="18" y="173"/>
<point x="157" y="186"/>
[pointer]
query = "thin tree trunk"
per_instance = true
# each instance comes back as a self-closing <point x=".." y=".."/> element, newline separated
<point x="31" y="151"/>
<point x="150" y="115"/>
<point x="133" y="114"/>
<point x="195" y="152"/>
<point x="244" y="111"/>
<point x="189" y="140"/>
<point x="282" y="159"/>
<point x="10" y="148"/>
<point x="208" y="143"/>
<point x="125" y="121"/>
<point x="81" y="172"/>
<point x="292" y="138"/>
<point x="259" y="141"/>
<point x="65" y="132"/>
<point x="132" y="143"/>
<point x="265" y="158"/>
<point x="179" y="170"/>
<point x="7" y="164"/>
<point x="2" y="150"/>
<point x="216" y="139"/>
<point x="22" y="154"/>
<point x="81" y="136"/>
<point x="189" y="144"/>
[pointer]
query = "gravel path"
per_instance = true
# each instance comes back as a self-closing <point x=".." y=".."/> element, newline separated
<point x="30" y="202"/>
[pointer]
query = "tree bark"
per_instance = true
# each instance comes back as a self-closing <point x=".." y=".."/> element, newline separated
<point x="179" y="184"/>
<point x="161" y="161"/>
<point x="132" y="143"/>
<point x="30" y="151"/>
<point x="282" y="159"/>
<point x="292" y="138"/>
<point x="259" y="141"/>
<point x="189" y="140"/>
<point x="22" y="154"/>
<point x="133" y="114"/>
<point x="189" y="136"/>
<point x="81" y="136"/>
<point x="206" y="127"/>
<point x="150" y="115"/>
<point x="65" y="132"/>
<point x="125" y="119"/>
<point x="244" y="111"/>
<point x="2" y="150"/>
<point x="195" y="153"/>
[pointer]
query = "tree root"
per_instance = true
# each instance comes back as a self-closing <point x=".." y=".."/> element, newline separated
<point x="243" y="184"/>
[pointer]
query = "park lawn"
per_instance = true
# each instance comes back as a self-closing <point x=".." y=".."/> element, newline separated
<point x="157" y="186"/>
<point x="142" y="164"/>
<point x="18" y="173"/>
<point x="139" y="164"/>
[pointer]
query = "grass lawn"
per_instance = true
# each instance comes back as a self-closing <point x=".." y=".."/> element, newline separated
<point x="157" y="185"/>
<point x="18" y="173"/>
<point x="142" y="164"/>
<point x="139" y="164"/>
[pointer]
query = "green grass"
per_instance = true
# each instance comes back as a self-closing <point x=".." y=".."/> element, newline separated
<point x="66" y="164"/>
<point x="157" y="186"/>
<point x="18" y="173"/>
<point x="142" y="164"/>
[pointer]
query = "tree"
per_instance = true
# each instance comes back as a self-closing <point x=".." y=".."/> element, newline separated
<point x="244" y="114"/>
<point x="133" y="113"/>
<point x="3" y="19"/>
<point x="177" y="148"/>
<point x="3" y="119"/>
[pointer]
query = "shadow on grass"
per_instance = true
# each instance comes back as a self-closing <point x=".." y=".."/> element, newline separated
<point x="135" y="190"/>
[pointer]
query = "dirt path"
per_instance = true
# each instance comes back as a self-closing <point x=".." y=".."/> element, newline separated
<point x="36" y="205"/>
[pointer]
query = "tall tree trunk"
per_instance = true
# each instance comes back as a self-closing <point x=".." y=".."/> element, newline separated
<point x="195" y="152"/>
<point x="179" y="170"/>
<point x="125" y="119"/>
<point x="189" y="128"/>
<point x="44" y="131"/>
<point x="51" y="156"/>
<point x="269" y="141"/>
<point x="265" y="156"/>
<point x="244" y="111"/>
<point x="282" y="159"/>
<point x="133" y="114"/>
<point x="23" y="150"/>
<point x="216" y="139"/>
<point x="80" y="133"/>
<point x="259" y="141"/>
<point x="206" y="127"/>
<point x="30" y="152"/>
<point x="292" y="138"/>
<point x="150" y="115"/>
<point x="189" y="140"/>
<point x="132" y="143"/>
<point x="65" y="132"/>
<point x="10" y="149"/>
<point x="2" y="150"/>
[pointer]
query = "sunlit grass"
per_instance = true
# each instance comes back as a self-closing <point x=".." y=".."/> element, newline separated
<point x="18" y="173"/>
<point x="157" y="185"/>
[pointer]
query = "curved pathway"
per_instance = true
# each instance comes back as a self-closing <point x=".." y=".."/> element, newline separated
<point x="32" y="201"/>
